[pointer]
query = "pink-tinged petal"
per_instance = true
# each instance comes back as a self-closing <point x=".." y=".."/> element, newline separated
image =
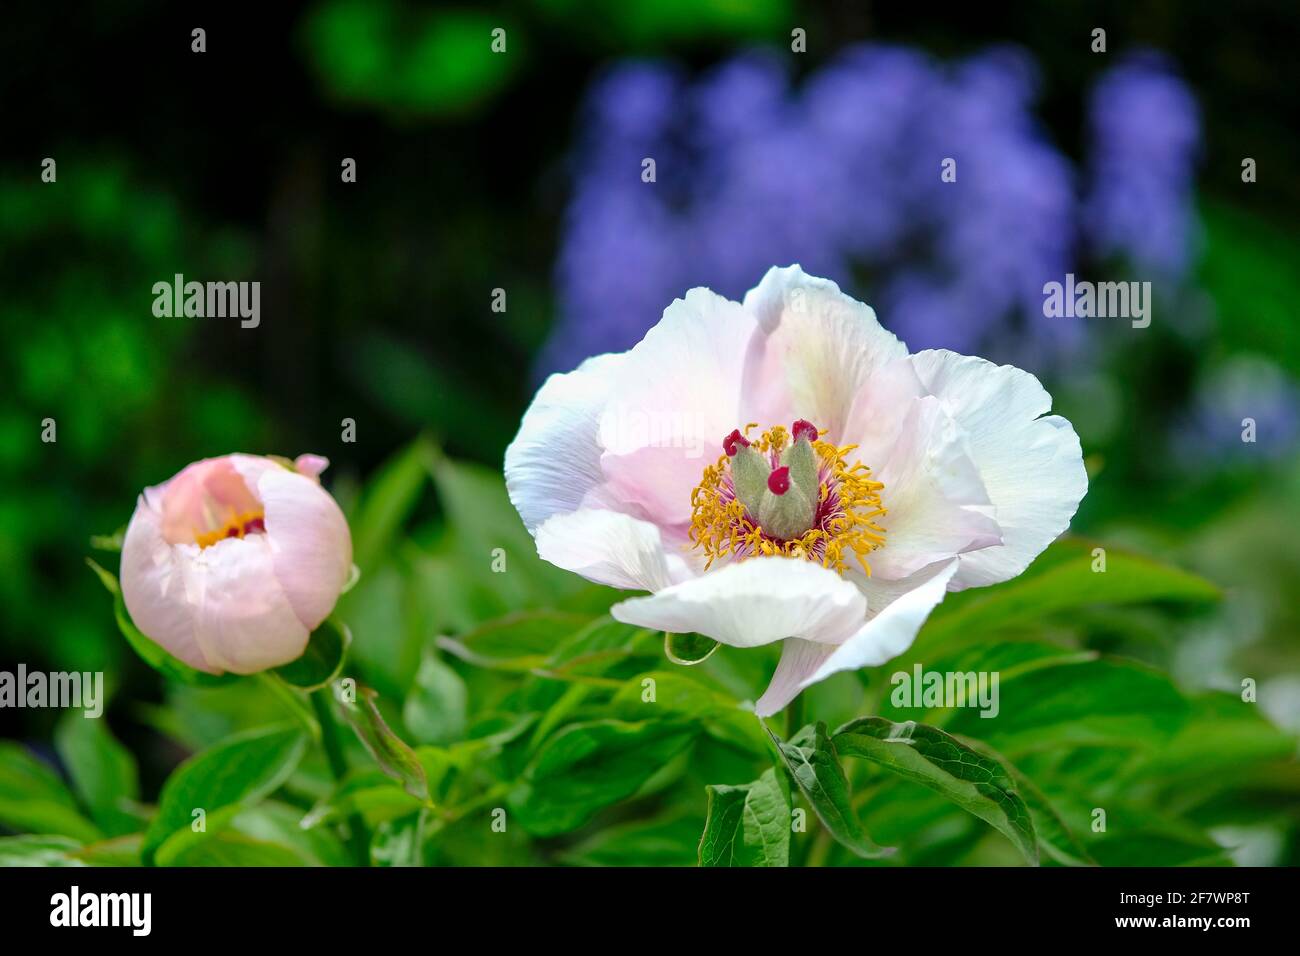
<point x="676" y="398"/>
<point x="754" y="602"/>
<point x="153" y="587"/>
<point x="895" y="612"/>
<point x="877" y="415"/>
<point x="818" y="347"/>
<point x="311" y="465"/>
<point x="655" y="484"/>
<point x="309" y="542"/>
<point x="1031" y="466"/>
<point x="203" y="495"/>
<point x="243" y="619"/>
<point x="610" y="548"/>
<point x="553" y="464"/>
<point x="799" y="660"/>
<point x="937" y="506"/>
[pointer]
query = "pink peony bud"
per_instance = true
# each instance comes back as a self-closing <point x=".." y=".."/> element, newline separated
<point x="233" y="563"/>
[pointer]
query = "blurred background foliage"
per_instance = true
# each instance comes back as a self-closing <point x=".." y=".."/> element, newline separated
<point x="521" y="171"/>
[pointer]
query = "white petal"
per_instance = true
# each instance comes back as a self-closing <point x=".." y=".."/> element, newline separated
<point x="896" y="611"/>
<point x="799" y="659"/>
<point x="674" y="401"/>
<point x="554" y="461"/>
<point x="153" y="586"/>
<point x="610" y="548"/>
<point x="937" y="506"/>
<point x="819" y="344"/>
<point x="310" y="542"/>
<point x="243" y="620"/>
<point x="754" y="602"/>
<point x="1031" y="466"/>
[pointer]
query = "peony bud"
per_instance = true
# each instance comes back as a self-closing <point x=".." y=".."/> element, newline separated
<point x="233" y="563"/>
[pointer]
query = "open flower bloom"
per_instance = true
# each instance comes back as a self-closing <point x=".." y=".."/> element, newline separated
<point x="783" y="470"/>
<point x="231" y="564"/>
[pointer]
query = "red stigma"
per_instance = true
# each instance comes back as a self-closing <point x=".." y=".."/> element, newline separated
<point x="804" y="429"/>
<point x="778" y="482"/>
<point x="731" y="441"/>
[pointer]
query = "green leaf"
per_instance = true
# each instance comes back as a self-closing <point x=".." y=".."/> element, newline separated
<point x="599" y="646"/>
<point x="220" y="781"/>
<point x="371" y="793"/>
<point x="671" y="841"/>
<point x="109" y="542"/>
<point x="388" y="501"/>
<point x="1093" y="702"/>
<point x="153" y="654"/>
<point x="681" y="696"/>
<point x="274" y="822"/>
<point x="38" y="851"/>
<point x="689" y="649"/>
<point x="589" y="766"/>
<point x="520" y="642"/>
<point x="977" y="783"/>
<point x="34" y="800"/>
<point x="813" y="763"/>
<point x="322" y="661"/>
<point x="487" y="528"/>
<point x="747" y="825"/>
<point x="229" y="848"/>
<point x="1061" y="579"/>
<point x="102" y="770"/>
<point x="394" y="756"/>
<point x="437" y="705"/>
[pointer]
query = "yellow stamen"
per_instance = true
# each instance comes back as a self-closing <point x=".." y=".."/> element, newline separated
<point x="235" y="526"/>
<point x="721" y="526"/>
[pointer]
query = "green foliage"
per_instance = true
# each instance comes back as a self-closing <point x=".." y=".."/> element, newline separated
<point x="812" y="761"/>
<point x="748" y="825"/>
<point x="516" y="721"/>
<point x="934" y="759"/>
<point x="220" y="782"/>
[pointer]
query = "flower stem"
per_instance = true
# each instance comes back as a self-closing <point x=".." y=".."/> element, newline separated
<point x="358" y="837"/>
<point x="794" y="717"/>
<point x="292" y="701"/>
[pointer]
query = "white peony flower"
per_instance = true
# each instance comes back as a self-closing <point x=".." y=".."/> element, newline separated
<point x="784" y="470"/>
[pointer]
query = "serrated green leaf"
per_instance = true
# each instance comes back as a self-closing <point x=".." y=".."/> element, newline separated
<point x="975" y="782"/>
<point x="815" y="766"/>
<point x="748" y="825"/>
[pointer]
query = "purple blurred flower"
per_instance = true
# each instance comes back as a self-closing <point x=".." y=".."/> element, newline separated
<point x="1145" y="129"/>
<point x="841" y="174"/>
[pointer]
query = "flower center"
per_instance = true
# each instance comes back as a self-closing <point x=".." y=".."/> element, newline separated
<point x="787" y="493"/>
<point x="236" y="525"/>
